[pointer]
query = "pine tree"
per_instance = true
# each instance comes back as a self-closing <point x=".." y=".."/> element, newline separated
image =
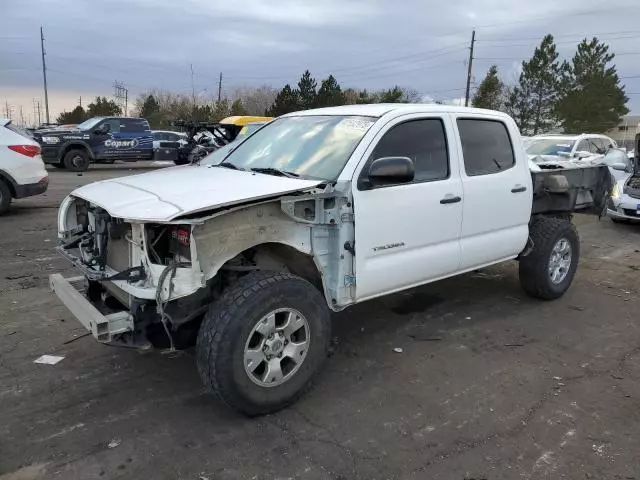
<point x="102" y="107"/>
<point x="393" y="95"/>
<point x="330" y="93"/>
<point x="365" y="97"/>
<point x="237" y="107"/>
<point x="149" y="107"/>
<point x="150" y="111"/>
<point x="77" y="115"/>
<point x="490" y="93"/>
<point x="593" y="99"/>
<point x="532" y="101"/>
<point x="220" y="110"/>
<point x="307" y="91"/>
<point x="287" y="101"/>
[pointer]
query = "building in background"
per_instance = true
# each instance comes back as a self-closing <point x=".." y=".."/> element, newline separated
<point x="625" y="133"/>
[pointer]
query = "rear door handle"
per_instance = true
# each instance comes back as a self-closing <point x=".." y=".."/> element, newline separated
<point x="519" y="189"/>
<point x="450" y="199"/>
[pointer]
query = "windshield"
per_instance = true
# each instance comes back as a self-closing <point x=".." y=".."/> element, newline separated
<point x="249" y="128"/>
<point x="88" y="124"/>
<point x="308" y="146"/>
<point x="217" y="156"/>
<point x="549" y="146"/>
<point x="615" y="155"/>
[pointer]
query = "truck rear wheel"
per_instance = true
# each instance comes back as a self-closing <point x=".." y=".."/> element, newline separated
<point x="76" y="160"/>
<point x="548" y="270"/>
<point x="261" y="344"/>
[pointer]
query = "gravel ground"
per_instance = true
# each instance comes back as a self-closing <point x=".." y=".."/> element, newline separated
<point x="488" y="383"/>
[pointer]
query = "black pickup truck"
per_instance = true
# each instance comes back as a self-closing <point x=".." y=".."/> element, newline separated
<point x="97" y="140"/>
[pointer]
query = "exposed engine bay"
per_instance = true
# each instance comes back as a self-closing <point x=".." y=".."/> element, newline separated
<point x="632" y="186"/>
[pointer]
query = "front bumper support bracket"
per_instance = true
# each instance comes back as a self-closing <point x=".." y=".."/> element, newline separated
<point x="103" y="327"/>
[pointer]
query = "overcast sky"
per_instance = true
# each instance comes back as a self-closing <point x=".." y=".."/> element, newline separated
<point x="365" y="43"/>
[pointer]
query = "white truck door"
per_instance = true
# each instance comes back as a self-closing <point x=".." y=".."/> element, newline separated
<point x="407" y="234"/>
<point x="497" y="191"/>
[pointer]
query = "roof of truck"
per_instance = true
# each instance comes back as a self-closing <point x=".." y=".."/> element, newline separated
<point x="380" y="109"/>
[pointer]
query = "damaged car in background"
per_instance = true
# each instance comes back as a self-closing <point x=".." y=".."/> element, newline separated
<point x="247" y="252"/>
<point x="624" y="204"/>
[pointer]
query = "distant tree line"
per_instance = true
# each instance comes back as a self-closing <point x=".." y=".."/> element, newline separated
<point x="160" y="108"/>
<point x="100" y="107"/>
<point x="581" y="95"/>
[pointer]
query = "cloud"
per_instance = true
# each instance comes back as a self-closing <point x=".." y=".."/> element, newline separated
<point x="365" y="43"/>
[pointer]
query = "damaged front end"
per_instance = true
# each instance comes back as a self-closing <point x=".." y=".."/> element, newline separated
<point x="138" y="278"/>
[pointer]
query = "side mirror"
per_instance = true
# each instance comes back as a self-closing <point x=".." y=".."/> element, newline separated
<point x="101" y="129"/>
<point x="581" y="155"/>
<point x="619" y="166"/>
<point x="391" y="170"/>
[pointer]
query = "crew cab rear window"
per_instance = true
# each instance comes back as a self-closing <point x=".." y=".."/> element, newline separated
<point x="486" y="146"/>
<point x="423" y="141"/>
<point x="133" y="125"/>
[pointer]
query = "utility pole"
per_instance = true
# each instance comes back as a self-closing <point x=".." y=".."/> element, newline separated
<point x="220" y="88"/>
<point x="36" y="110"/>
<point x="121" y="95"/>
<point x="193" y="89"/>
<point x="44" y="75"/>
<point x="473" y="41"/>
<point x="80" y="101"/>
<point x="21" y="117"/>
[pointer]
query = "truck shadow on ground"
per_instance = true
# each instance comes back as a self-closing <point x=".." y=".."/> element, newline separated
<point x="436" y="312"/>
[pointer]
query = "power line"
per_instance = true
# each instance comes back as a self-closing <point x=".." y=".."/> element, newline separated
<point x="562" y="35"/>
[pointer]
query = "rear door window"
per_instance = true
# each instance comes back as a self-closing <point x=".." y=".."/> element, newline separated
<point x="113" y="123"/>
<point x="486" y="146"/>
<point x="133" y="125"/>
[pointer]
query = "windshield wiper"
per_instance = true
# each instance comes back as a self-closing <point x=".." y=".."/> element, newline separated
<point x="274" y="171"/>
<point x="229" y="165"/>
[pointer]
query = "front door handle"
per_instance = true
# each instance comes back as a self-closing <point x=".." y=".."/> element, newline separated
<point x="519" y="189"/>
<point x="450" y="199"/>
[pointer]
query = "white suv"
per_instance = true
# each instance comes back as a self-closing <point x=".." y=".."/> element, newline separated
<point x="22" y="172"/>
<point x="570" y="146"/>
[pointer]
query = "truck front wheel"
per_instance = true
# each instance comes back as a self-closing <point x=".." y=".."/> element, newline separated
<point x="76" y="160"/>
<point x="263" y="341"/>
<point x="548" y="269"/>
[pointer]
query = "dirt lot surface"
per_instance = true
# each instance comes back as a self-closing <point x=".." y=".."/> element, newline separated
<point x="488" y="383"/>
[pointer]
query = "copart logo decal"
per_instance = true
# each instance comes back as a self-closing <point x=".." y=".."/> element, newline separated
<point x="121" y="143"/>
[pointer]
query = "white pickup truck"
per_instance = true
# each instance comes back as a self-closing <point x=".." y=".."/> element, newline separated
<point x="248" y="252"/>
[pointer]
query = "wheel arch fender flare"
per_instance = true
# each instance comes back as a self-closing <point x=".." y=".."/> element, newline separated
<point x="9" y="180"/>
<point x="76" y="144"/>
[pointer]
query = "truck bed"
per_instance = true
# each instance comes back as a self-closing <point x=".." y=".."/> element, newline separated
<point x="583" y="190"/>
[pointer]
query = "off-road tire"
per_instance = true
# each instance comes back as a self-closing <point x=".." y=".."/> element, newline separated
<point x="5" y="196"/>
<point x="533" y="271"/>
<point x="226" y="328"/>
<point x="76" y="160"/>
